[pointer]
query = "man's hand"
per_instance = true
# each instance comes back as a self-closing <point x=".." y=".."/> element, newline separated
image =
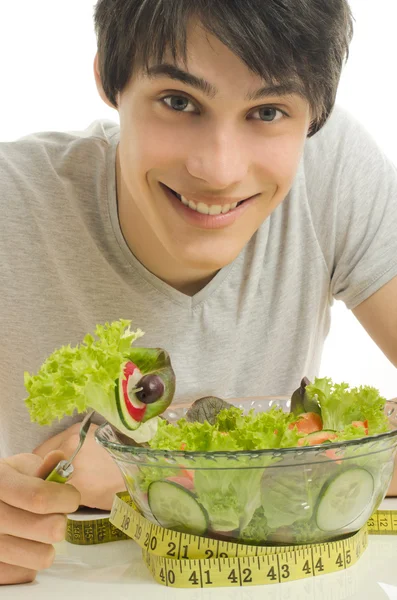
<point x="32" y="515"/>
<point x="96" y="476"/>
<point x="392" y="491"/>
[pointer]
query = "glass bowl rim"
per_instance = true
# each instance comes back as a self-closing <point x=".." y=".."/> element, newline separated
<point x="301" y="450"/>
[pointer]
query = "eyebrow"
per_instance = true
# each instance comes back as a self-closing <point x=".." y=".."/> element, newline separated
<point x="208" y="89"/>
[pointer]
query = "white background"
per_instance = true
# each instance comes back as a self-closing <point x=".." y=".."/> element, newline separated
<point x="46" y="82"/>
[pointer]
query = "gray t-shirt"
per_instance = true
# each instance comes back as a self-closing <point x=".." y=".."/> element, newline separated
<point x="255" y="329"/>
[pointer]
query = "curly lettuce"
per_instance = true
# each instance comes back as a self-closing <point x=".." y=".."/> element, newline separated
<point x="230" y="496"/>
<point x="232" y="431"/>
<point x="74" y="378"/>
<point x="257" y="530"/>
<point x="341" y="406"/>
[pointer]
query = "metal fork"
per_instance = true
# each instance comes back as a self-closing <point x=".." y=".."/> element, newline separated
<point x="64" y="469"/>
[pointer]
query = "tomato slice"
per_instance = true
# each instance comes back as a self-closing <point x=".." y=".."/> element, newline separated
<point x="361" y="424"/>
<point x="308" y="423"/>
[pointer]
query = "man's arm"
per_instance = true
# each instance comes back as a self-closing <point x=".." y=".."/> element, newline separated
<point x="378" y="315"/>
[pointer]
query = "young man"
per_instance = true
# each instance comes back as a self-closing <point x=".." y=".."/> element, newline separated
<point x="229" y="209"/>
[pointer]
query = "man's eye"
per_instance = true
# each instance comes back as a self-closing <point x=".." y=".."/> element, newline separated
<point x="268" y="114"/>
<point x="178" y="103"/>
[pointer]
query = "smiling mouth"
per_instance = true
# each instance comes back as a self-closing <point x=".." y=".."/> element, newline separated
<point x="207" y="209"/>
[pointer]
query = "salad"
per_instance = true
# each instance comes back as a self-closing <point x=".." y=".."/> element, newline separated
<point x="258" y="497"/>
<point x="128" y="386"/>
<point x="268" y="497"/>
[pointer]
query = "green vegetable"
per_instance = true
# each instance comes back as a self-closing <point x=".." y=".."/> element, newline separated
<point x="344" y="498"/>
<point x="230" y="496"/>
<point x="260" y="504"/>
<point x="232" y="430"/>
<point x="147" y="475"/>
<point x="290" y="494"/>
<point x="257" y="529"/>
<point x="341" y="405"/>
<point x="301" y="403"/>
<point x="76" y="378"/>
<point x="176" y="508"/>
<point x="305" y="531"/>
<point x="206" y="409"/>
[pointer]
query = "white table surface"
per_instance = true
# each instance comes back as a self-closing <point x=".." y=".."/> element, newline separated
<point x="116" y="571"/>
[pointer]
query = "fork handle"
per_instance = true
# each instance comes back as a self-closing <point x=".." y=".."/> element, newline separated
<point x="61" y="474"/>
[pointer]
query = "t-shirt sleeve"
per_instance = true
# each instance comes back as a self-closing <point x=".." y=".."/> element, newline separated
<point x="354" y="202"/>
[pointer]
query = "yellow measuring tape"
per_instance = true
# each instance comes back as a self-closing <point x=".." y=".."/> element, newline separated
<point x="188" y="561"/>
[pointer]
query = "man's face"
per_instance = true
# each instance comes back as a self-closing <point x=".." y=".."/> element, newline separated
<point x="213" y="149"/>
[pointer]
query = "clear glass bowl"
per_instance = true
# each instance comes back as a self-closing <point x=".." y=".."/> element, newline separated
<point x="265" y="497"/>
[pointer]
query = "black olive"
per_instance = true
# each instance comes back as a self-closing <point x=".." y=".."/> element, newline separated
<point x="152" y="389"/>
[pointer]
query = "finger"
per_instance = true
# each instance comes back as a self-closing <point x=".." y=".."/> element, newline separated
<point x="11" y="575"/>
<point x="48" y="529"/>
<point x="34" y="494"/>
<point x="25" y="553"/>
<point x="30" y="464"/>
<point x="23" y="463"/>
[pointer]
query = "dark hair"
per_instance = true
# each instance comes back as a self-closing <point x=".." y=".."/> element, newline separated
<point x="278" y="40"/>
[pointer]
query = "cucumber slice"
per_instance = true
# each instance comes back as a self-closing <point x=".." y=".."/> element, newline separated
<point x="344" y="498"/>
<point x="130" y="410"/>
<point x="174" y="507"/>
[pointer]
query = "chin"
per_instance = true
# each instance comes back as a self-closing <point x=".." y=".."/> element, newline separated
<point x="211" y="262"/>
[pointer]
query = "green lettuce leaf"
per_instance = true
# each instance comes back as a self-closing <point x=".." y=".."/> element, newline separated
<point x="230" y="493"/>
<point x="289" y="494"/>
<point x="257" y="530"/>
<point x="147" y="475"/>
<point x="230" y="496"/>
<point x="232" y="430"/>
<point x="341" y="405"/>
<point x="74" y="378"/>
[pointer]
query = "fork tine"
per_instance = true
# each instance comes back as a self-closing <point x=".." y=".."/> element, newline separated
<point x="85" y="425"/>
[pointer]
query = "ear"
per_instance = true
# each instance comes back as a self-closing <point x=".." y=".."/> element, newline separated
<point x="98" y="81"/>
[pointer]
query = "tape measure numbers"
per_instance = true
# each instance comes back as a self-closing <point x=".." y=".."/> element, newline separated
<point x="188" y="561"/>
<point x="182" y="560"/>
<point x="383" y="522"/>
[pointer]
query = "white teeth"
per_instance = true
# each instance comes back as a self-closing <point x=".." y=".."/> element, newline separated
<point x="204" y="209"/>
<point x="215" y="210"/>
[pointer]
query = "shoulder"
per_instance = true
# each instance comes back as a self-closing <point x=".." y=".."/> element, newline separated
<point x="46" y="173"/>
<point x="350" y="187"/>
<point x="342" y="148"/>
<point x="341" y="126"/>
<point x="40" y="156"/>
<point x="344" y="167"/>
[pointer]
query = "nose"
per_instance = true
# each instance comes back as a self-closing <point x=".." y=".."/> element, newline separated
<point x="218" y="157"/>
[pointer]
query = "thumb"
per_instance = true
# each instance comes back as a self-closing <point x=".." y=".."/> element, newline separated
<point x="50" y="461"/>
